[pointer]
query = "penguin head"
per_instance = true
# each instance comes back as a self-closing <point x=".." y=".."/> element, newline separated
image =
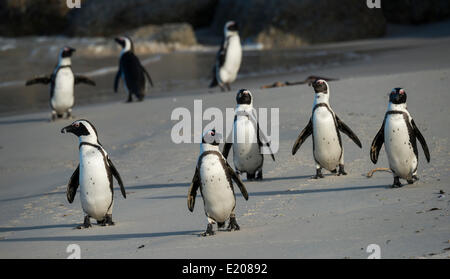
<point x="320" y="86"/>
<point x="67" y="52"/>
<point x="397" y="96"/>
<point x="244" y="97"/>
<point x="84" y="130"/>
<point x="231" y="27"/>
<point x="211" y="137"/>
<point x="125" y="42"/>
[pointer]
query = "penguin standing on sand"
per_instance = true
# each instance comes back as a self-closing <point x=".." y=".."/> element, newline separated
<point x="131" y="71"/>
<point x="324" y="126"/>
<point x="214" y="177"/>
<point x="399" y="134"/>
<point x="94" y="175"/>
<point x="247" y="138"/>
<point x="228" y="59"/>
<point x="62" y="82"/>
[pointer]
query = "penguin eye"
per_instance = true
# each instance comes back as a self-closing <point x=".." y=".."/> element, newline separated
<point x="402" y="92"/>
<point x="76" y="125"/>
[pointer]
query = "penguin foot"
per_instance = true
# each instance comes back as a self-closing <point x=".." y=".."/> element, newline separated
<point x="233" y="225"/>
<point x="228" y="87"/>
<point x="69" y="114"/>
<point x="209" y="230"/>
<point x="413" y="179"/>
<point x="220" y="225"/>
<point x="259" y="176"/>
<point x="250" y="176"/>
<point x="107" y="221"/>
<point x="318" y="174"/>
<point x="341" y="170"/>
<point x="86" y="224"/>
<point x="397" y="183"/>
<point x="334" y="171"/>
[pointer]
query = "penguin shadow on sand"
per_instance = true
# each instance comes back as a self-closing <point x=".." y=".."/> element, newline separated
<point x="23" y="121"/>
<point x="101" y="237"/>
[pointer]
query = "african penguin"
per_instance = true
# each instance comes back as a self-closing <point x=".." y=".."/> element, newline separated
<point x="399" y="134"/>
<point x="228" y="58"/>
<point x="131" y="71"/>
<point x="246" y="138"/>
<point x="214" y="177"/>
<point x="62" y="82"/>
<point x="94" y="175"/>
<point x="324" y="126"/>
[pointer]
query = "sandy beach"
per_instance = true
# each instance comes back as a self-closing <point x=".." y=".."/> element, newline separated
<point x="288" y="214"/>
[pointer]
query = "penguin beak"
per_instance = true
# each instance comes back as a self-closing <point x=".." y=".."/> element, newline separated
<point x="120" y="41"/>
<point x="67" y="129"/>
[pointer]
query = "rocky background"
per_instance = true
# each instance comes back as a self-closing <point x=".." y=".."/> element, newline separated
<point x="274" y="23"/>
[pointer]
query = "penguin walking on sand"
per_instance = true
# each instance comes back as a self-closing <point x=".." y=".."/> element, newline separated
<point x="214" y="177"/>
<point x="131" y="71"/>
<point x="399" y="134"/>
<point x="324" y="126"/>
<point x="62" y="82"/>
<point x="228" y="58"/>
<point x="246" y="138"/>
<point x="94" y="175"/>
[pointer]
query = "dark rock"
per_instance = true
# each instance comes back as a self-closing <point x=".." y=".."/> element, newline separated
<point x="415" y="11"/>
<point x="32" y="17"/>
<point x="181" y="33"/>
<point x="291" y="23"/>
<point x="109" y="17"/>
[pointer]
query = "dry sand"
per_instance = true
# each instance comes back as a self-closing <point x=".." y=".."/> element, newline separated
<point x="288" y="215"/>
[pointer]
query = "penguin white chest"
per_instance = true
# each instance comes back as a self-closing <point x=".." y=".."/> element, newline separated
<point x="399" y="149"/>
<point x="229" y="70"/>
<point x="246" y="152"/>
<point x="95" y="192"/>
<point x="327" y="149"/>
<point x="63" y="97"/>
<point x="217" y="193"/>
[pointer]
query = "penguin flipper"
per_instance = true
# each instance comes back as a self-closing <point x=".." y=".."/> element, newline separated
<point x="220" y="60"/>
<point x="44" y="80"/>
<point x="259" y="135"/>
<point x="305" y="133"/>
<point x="72" y="187"/>
<point x="117" y="80"/>
<point x="346" y="130"/>
<point x="116" y="174"/>
<point x="192" y="193"/>
<point x="237" y="180"/>
<point x="147" y="75"/>
<point x="226" y="149"/>
<point x="421" y="139"/>
<point x="377" y="143"/>
<point x="83" y="79"/>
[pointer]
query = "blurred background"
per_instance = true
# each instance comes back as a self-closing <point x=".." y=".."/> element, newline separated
<point x="176" y="40"/>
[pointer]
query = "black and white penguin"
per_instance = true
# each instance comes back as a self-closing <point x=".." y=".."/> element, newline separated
<point x="228" y="59"/>
<point x="94" y="175"/>
<point x="246" y="138"/>
<point x="324" y="126"/>
<point x="399" y="134"/>
<point x="214" y="177"/>
<point x="62" y="82"/>
<point x="131" y="71"/>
